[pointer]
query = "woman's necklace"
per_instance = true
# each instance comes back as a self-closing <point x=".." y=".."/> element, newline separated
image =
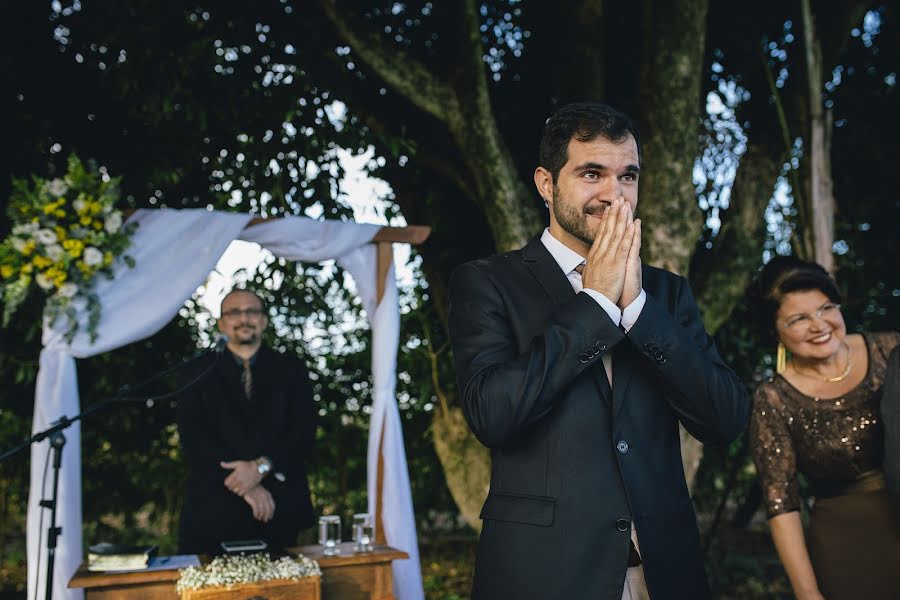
<point x="842" y="376"/>
<point x="846" y="372"/>
<point x="836" y="378"/>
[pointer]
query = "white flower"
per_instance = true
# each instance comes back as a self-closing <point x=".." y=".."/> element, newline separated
<point x="17" y="243"/>
<point x="45" y="236"/>
<point x="25" y="229"/>
<point x="55" y="252"/>
<point x="113" y="222"/>
<point x="57" y="187"/>
<point x="68" y="290"/>
<point x="43" y="281"/>
<point x="92" y="256"/>
<point x="78" y="204"/>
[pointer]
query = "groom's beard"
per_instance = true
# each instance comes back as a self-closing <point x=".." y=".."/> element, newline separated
<point x="573" y="219"/>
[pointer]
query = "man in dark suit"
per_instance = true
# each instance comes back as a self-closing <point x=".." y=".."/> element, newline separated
<point x="588" y="497"/>
<point x="246" y="430"/>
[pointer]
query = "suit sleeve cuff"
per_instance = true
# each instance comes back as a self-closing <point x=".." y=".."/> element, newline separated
<point x="633" y="311"/>
<point x="608" y="305"/>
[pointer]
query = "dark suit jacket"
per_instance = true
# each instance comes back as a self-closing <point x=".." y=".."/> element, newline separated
<point x="890" y="418"/>
<point x="571" y="466"/>
<point x="216" y="423"/>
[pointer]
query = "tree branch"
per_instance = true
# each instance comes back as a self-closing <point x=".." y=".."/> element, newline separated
<point x="405" y="75"/>
<point x="720" y="275"/>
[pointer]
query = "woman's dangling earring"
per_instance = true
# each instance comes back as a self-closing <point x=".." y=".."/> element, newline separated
<point x="780" y="358"/>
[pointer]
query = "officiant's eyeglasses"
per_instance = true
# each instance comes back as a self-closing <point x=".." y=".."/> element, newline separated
<point x="253" y="313"/>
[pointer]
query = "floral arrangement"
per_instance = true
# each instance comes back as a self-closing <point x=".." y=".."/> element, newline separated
<point x="65" y="233"/>
<point x="230" y="570"/>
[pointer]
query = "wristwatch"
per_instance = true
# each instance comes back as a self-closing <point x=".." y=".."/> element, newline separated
<point x="263" y="466"/>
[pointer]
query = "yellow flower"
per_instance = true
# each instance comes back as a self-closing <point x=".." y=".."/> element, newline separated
<point x="27" y="268"/>
<point x="61" y="201"/>
<point x="60" y="233"/>
<point x="74" y="247"/>
<point x="85" y="220"/>
<point x="49" y="208"/>
<point x="29" y="247"/>
<point x="6" y="271"/>
<point x="41" y="261"/>
<point x="59" y="214"/>
<point x="84" y="268"/>
<point x="98" y="225"/>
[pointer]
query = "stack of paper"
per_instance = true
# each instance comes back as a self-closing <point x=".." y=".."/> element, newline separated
<point x="113" y="557"/>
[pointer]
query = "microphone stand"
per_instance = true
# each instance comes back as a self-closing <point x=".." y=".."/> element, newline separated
<point x="58" y="441"/>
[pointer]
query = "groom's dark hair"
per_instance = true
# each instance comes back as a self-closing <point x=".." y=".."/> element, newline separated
<point x="583" y="121"/>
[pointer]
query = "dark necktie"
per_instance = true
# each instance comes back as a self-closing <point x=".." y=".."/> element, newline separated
<point x="247" y="380"/>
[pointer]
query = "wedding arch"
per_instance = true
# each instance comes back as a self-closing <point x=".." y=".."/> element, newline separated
<point x="175" y="250"/>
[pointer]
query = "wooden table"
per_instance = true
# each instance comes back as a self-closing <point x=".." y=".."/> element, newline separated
<point x="347" y="576"/>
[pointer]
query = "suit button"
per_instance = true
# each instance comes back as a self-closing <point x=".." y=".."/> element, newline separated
<point x="661" y="359"/>
<point x="622" y="446"/>
<point x="623" y="525"/>
<point x="583" y="358"/>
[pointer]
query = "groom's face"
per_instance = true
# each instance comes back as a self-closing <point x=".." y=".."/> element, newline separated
<point x="596" y="173"/>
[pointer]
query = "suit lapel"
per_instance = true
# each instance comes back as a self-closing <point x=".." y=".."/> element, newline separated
<point x="546" y="270"/>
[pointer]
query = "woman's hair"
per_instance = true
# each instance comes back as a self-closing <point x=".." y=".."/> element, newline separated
<point x="779" y="277"/>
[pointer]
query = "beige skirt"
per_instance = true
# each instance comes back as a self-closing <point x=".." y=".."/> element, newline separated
<point x="854" y="542"/>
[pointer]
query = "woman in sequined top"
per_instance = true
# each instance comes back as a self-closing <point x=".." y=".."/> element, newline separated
<point x="820" y="417"/>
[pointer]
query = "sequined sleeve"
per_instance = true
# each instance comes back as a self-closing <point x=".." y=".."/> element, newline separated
<point x="773" y="452"/>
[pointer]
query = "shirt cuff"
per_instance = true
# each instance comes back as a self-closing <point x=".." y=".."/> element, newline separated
<point x="633" y="311"/>
<point x="608" y="305"/>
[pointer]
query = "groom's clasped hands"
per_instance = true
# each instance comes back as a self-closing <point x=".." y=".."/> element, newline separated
<point x="613" y="264"/>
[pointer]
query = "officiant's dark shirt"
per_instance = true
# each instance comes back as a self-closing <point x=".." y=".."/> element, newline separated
<point x="217" y="422"/>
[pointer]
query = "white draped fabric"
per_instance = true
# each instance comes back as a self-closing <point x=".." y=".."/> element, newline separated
<point x="175" y="250"/>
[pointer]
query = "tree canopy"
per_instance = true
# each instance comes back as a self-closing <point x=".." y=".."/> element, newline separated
<point x="754" y="116"/>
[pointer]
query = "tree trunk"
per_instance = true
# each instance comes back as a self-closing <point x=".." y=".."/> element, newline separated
<point x="466" y="463"/>
<point x="674" y="43"/>
<point x="820" y="192"/>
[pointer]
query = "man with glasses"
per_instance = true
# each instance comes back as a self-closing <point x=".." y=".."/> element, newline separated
<point x="246" y="430"/>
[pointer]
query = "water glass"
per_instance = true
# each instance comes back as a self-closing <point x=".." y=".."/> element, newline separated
<point x="364" y="532"/>
<point x="330" y="534"/>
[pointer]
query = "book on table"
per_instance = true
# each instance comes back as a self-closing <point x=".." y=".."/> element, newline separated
<point x="116" y="557"/>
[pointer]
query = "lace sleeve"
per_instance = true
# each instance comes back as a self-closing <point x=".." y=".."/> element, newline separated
<point x="881" y="345"/>
<point x="773" y="452"/>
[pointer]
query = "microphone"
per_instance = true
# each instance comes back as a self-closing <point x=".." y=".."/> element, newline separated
<point x="219" y="348"/>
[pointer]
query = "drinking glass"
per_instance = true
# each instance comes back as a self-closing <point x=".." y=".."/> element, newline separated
<point x="363" y="532"/>
<point x="330" y="534"/>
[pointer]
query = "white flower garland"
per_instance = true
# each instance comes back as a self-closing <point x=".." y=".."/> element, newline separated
<point x="228" y="571"/>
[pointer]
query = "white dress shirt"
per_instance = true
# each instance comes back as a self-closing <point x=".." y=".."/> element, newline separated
<point x="635" y="587"/>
